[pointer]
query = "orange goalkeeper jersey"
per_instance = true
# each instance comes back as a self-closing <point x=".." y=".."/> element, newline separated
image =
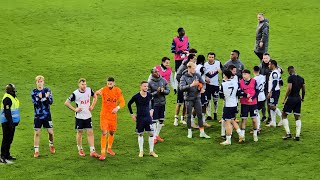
<point x="111" y="98"/>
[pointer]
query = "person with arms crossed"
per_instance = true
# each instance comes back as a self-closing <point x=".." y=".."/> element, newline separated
<point x="158" y="87"/>
<point x="191" y="84"/>
<point x="10" y="118"/>
<point x="112" y="102"/>
<point x="42" y="100"/>
<point x="143" y="117"/>
<point x="83" y="109"/>
<point x="292" y="102"/>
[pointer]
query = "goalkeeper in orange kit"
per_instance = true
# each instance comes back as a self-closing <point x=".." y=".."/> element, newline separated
<point x="112" y="101"/>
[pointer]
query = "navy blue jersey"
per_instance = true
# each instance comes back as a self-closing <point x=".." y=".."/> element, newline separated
<point x="297" y="83"/>
<point x="142" y="104"/>
<point x="41" y="105"/>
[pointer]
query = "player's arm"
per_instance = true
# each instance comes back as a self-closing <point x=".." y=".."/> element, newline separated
<point x="173" y="48"/>
<point x="221" y="95"/>
<point x="151" y="106"/>
<point x="98" y="93"/>
<point x="183" y="84"/>
<point x="131" y="101"/>
<point x="212" y="75"/>
<point x="257" y="91"/>
<point x="7" y="103"/>
<point x="166" y="90"/>
<point x="67" y="103"/>
<point x="48" y="97"/>
<point x="94" y="100"/>
<point x="289" y="88"/>
<point x="265" y="30"/>
<point x="35" y="100"/>
<point x="303" y="91"/>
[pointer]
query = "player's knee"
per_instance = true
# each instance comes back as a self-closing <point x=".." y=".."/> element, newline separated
<point x="37" y="132"/>
<point x="111" y="133"/>
<point x="89" y="132"/>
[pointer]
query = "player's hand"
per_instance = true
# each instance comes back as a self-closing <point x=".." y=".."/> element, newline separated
<point x="47" y="94"/>
<point x="91" y="108"/>
<point x="151" y="113"/>
<point x="194" y="83"/>
<point x="40" y="95"/>
<point x="175" y="91"/>
<point x="250" y="99"/>
<point x="185" y="52"/>
<point x="207" y="80"/>
<point x="269" y="95"/>
<point x="162" y="89"/>
<point x="78" y="109"/>
<point x="202" y="91"/>
<point x="134" y="117"/>
<point x="115" y="110"/>
<point x="248" y="95"/>
<point x="261" y="44"/>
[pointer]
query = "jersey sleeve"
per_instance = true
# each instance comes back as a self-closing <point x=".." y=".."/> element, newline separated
<point x="72" y="97"/>
<point x="92" y="92"/>
<point x="121" y="99"/>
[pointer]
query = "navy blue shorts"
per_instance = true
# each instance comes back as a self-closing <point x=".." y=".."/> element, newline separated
<point x="45" y="123"/>
<point x="293" y="104"/>
<point x="273" y="101"/>
<point x="177" y="64"/>
<point x="143" y="123"/>
<point x="213" y="91"/>
<point x="158" y="113"/>
<point x="83" y="124"/>
<point x="261" y="104"/>
<point x="229" y="113"/>
<point x="204" y="99"/>
<point x="180" y="99"/>
<point x="249" y="109"/>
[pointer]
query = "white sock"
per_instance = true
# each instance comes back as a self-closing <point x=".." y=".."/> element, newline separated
<point x="36" y="149"/>
<point x="209" y="108"/>
<point x="278" y="112"/>
<point x="192" y="119"/>
<point x="182" y="118"/>
<point x="258" y="120"/>
<point x="154" y="126"/>
<point x="229" y="138"/>
<point x="151" y="143"/>
<point x="223" y="128"/>
<point x="202" y="130"/>
<point x="176" y="117"/>
<point x="92" y="149"/>
<point x="273" y="117"/>
<point x="286" y="125"/>
<point x="255" y="132"/>
<point x="159" y="128"/>
<point x="239" y="132"/>
<point x="140" y="142"/>
<point x="243" y="132"/>
<point x="189" y="131"/>
<point x="204" y="118"/>
<point x="298" y="127"/>
<point x="79" y="147"/>
<point x="50" y="143"/>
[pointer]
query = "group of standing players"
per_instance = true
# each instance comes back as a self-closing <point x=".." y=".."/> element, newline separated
<point x="195" y="82"/>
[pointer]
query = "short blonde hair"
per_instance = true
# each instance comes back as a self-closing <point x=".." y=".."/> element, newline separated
<point x="191" y="65"/>
<point x="39" y="77"/>
<point x="81" y="80"/>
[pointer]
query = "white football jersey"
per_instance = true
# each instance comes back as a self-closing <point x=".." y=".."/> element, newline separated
<point x="274" y="75"/>
<point x="230" y="88"/>
<point x="261" y="81"/>
<point x="198" y="68"/>
<point x="211" y="69"/>
<point x="235" y="78"/>
<point x="82" y="100"/>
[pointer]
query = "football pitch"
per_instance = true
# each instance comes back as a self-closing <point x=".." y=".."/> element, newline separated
<point x="94" y="39"/>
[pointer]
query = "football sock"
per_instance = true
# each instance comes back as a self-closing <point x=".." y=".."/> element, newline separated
<point x="278" y="112"/>
<point x="140" y="142"/>
<point x="215" y="106"/>
<point x="204" y="118"/>
<point x="79" y="147"/>
<point x="36" y="149"/>
<point x="151" y="143"/>
<point x="223" y="128"/>
<point x="286" y="125"/>
<point x="92" y="149"/>
<point x="229" y="138"/>
<point x="158" y="129"/>
<point x="50" y="143"/>
<point x="110" y="141"/>
<point x="201" y="130"/>
<point x="258" y="120"/>
<point x="103" y="143"/>
<point x="273" y="116"/>
<point x="298" y="127"/>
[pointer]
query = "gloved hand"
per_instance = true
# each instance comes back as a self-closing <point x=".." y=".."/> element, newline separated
<point x="175" y="91"/>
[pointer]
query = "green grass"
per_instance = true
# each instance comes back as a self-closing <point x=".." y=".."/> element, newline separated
<point x="66" y="40"/>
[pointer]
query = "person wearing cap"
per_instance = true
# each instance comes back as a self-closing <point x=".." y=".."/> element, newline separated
<point x="42" y="100"/>
<point x="191" y="84"/>
<point x="249" y="104"/>
<point x="112" y="101"/>
<point x="180" y="47"/>
<point x="158" y="87"/>
<point x="10" y="118"/>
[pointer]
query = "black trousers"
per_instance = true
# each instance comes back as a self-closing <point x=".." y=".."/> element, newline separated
<point x="259" y="54"/>
<point x="7" y="138"/>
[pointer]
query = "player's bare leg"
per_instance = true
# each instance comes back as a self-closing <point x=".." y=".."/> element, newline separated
<point x="51" y="146"/>
<point x="93" y="152"/>
<point x="36" y="142"/>
<point x="79" y="142"/>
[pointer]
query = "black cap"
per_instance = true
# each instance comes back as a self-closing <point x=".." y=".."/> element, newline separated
<point x="110" y="79"/>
